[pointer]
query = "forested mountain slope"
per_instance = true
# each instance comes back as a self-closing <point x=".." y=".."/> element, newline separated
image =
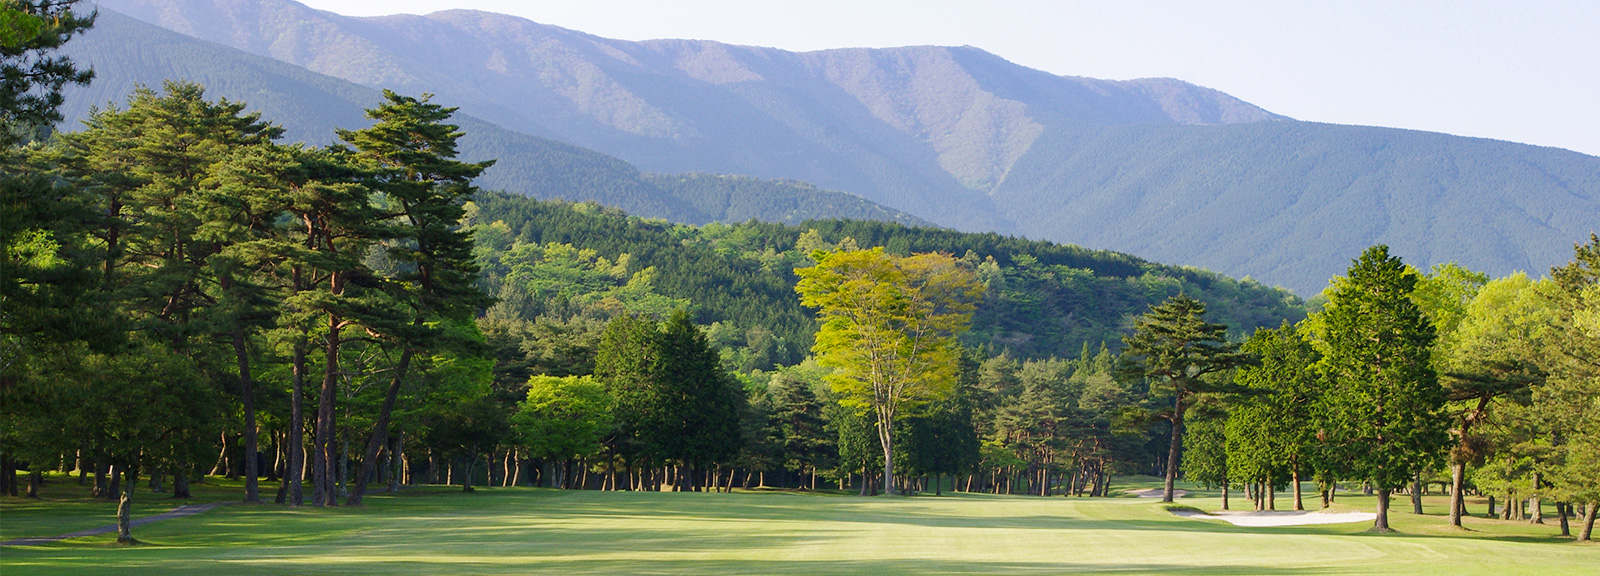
<point x="912" y="128"/>
<point x="1043" y="299"/>
<point x="1291" y="203"/>
<point x="963" y="138"/>
<point x="126" y="52"/>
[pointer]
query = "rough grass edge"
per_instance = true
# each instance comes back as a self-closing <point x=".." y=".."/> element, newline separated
<point x="1183" y="508"/>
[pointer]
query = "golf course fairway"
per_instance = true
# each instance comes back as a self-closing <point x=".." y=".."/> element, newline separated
<point x="439" y="530"/>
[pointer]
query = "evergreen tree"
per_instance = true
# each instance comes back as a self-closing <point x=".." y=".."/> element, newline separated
<point x="1383" y="409"/>
<point x="32" y="74"/>
<point x="409" y="155"/>
<point x="1273" y="429"/>
<point x="1175" y="349"/>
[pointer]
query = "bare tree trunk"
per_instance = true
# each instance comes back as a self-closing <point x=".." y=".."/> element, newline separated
<point x="35" y="480"/>
<point x="1224" y="495"/>
<point x="221" y="468"/>
<point x="1535" y="507"/>
<point x="125" y="505"/>
<point x="397" y="462"/>
<point x="1588" y="521"/>
<point x="323" y="474"/>
<point x="180" y="482"/>
<point x="1561" y="515"/>
<point x="885" y="424"/>
<point x="297" y="433"/>
<point x="252" y="487"/>
<point x="1299" y="501"/>
<point x="380" y="429"/>
<point x="1416" y="494"/>
<point x="1381" y="524"/>
<point x="1458" y="503"/>
<point x="1172" y="449"/>
<point x="112" y="492"/>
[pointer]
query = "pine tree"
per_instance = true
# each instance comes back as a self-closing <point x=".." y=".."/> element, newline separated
<point x="410" y="158"/>
<point x="1175" y="349"/>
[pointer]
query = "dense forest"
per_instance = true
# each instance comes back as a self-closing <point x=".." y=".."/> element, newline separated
<point x="1043" y="300"/>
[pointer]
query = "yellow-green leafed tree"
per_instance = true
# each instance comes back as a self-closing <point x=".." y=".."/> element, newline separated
<point x="888" y="328"/>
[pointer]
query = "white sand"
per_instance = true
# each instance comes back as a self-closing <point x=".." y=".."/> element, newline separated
<point x="1156" y="493"/>
<point x="1278" y="518"/>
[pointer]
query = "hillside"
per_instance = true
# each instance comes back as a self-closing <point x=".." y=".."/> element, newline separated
<point x="1293" y="202"/>
<point x="963" y="138"/>
<point x="126" y="52"/>
<point x="1043" y="299"/>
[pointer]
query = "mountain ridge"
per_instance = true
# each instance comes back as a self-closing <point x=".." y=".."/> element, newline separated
<point x="962" y="138"/>
<point x="128" y="53"/>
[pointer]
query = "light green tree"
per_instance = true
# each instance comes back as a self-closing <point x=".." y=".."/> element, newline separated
<point x="1493" y="357"/>
<point x="563" y="418"/>
<point x="888" y="330"/>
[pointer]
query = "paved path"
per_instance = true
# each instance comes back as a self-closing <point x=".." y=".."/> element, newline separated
<point x="181" y="511"/>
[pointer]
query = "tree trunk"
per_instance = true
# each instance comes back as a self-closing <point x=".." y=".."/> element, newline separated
<point x="1381" y="524"/>
<point x="221" y="467"/>
<point x="112" y="492"/>
<point x="1561" y="515"/>
<point x="1224" y="495"/>
<point x="1172" y="449"/>
<point x="125" y="505"/>
<point x="1588" y="521"/>
<point x="252" y="487"/>
<point x="180" y="482"/>
<point x="1272" y="495"/>
<point x="35" y="480"/>
<point x="1416" y="494"/>
<point x="324" y="473"/>
<point x="1299" y="501"/>
<point x="1491" y="507"/>
<point x="397" y="462"/>
<point x="885" y="424"/>
<point x="1458" y="503"/>
<point x="1535" y="507"/>
<point x="380" y="429"/>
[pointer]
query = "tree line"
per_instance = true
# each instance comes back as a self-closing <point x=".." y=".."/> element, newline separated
<point x="1406" y="379"/>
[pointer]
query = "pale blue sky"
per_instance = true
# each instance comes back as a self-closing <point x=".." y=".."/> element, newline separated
<point x="1526" y="71"/>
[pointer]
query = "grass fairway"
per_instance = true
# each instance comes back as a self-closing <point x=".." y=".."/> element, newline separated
<point x="520" y="531"/>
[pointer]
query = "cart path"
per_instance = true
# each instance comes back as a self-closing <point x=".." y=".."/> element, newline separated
<point x="179" y="512"/>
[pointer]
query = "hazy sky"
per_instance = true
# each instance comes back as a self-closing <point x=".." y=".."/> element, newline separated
<point x="1526" y="71"/>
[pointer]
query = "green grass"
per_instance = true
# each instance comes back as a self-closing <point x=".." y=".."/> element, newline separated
<point x="437" y="530"/>
<point x="65" y="507"/>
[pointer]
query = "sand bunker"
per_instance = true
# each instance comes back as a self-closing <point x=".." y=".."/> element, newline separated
<point x="1156" y="493"/>
<point x="1278" y="518"/>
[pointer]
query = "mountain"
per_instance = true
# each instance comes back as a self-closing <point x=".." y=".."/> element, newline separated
<point x="963" y="138"/>
<point x="911" y="128"/>
<point x="126" y="53"/>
